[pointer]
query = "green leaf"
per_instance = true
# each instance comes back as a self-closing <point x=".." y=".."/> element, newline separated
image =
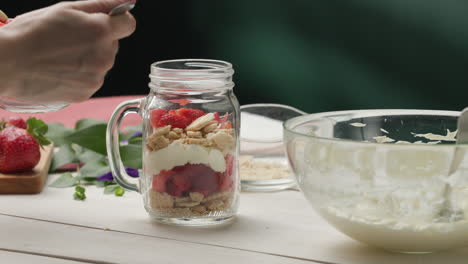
<point x="64" y="181"/>
<point x="37" y="128"/>
<point x="57" y="133"/>
<point x="129" y="131"/>
<point x="80" y="189"/>
<point x="94" y="169"/>
<point x="119" y="191"/>
<point x="64" y="156"/>
<point x="87" y="122"/>
<point x="101" y="184"/>
<point x="110" y="189"/>
<point x="80" y="196"/>
<point x="92" y="137"/>
<point x="135" y="140"/>
<point x="37" y="125"/>
<point x="131" y="155"/>
<point x="88" y="155"/>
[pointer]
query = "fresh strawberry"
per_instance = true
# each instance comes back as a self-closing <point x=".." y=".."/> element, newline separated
<point x="156" y="115"/>
<point x="229" y="164"/>
<point x="182" y="181"/>
<point x="17" y="122"/>
<point x="160" y="180"/>
<point x="189" y="113"/>
<point x="220" y="119"/>
<point x="2" y="24"/>
<point x="226" y="125"/>
<point x="173" y="190"/>
<point x="225" y="182"/>
<point x="19" y="151"/>
<point x="226" y="178"/>
<point x="174" y="120"/>
<point x="204" y="179"/>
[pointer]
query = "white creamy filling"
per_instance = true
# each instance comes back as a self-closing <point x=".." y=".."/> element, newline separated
<point x="391" y="197"/>
<point x="178" y="154"/>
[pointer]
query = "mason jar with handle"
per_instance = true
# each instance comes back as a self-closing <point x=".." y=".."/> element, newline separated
<point x="190" y="143"/>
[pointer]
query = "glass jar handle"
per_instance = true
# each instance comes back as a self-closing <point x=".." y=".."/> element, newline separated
<point x="113" y="142"/>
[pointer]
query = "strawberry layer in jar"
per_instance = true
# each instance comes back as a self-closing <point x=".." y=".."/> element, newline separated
<point x="191" y="155"/>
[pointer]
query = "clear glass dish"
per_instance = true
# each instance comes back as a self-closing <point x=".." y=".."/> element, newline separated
<point x="263" y="164"/>
<point x="379" y="176"/>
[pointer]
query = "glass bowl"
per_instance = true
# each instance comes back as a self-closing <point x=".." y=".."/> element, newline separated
<point x="381" y="176"/>
<point x="263" y="163"/>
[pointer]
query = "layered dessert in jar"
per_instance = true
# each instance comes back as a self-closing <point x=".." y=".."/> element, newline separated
<point x="191" y="156"/>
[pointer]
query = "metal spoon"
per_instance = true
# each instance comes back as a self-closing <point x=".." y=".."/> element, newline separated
<point x="122" y="8"/>
<point x="448" y="212"/>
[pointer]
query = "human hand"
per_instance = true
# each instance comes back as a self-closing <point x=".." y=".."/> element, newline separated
<point x="61" y="54"/>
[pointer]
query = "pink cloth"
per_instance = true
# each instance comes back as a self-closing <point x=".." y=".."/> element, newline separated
<point x="95" y="108"/>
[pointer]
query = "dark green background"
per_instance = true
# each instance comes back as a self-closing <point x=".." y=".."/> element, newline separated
<point x="316" y="55"/>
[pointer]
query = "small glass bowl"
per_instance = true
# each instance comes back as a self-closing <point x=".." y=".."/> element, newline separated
<point x="20" y="106"/>
<point x="263" y="163"/>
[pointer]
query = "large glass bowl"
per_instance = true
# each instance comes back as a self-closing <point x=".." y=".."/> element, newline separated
<point x="379" y="177"/>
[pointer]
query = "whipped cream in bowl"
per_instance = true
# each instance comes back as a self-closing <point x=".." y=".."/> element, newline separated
<point x="378" y="176"/>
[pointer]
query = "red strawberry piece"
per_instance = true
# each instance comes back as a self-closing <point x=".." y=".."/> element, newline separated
<point x="156" y="115"/>
<point x="189" y="113"/>
<point x="173" y="190"/>
<point x="160" y="180"/>
<point x="204" y="179"/>
<point x="19" y="151"/>
<point x="219" y="118"/>
<point x="17" y="122"/>
<point x="2" y="24"/>
<point x="174" y="120"/>
<point x="226" y="125"/>
<point x="182" y="181"/>
<point x="226" y="182"/>
<point x="229" y="164"/>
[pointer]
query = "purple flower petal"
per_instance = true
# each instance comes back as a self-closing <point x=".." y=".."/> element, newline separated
<point x="132" y="172"/>
<point x="106" y="177"/>
<point x="109" y="177"/>
<point x="137" y="134"/>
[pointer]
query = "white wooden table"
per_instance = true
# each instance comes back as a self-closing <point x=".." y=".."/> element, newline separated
<point x="278" y="227"/>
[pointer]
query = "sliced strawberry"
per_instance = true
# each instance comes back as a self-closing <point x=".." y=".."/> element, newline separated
<point x="226" y="182"/>
<point x="160" y="180"/>
<point x="219" y="118"/>
<point x="17" y="122"/>
<point x="229" y="164"/>
<point x="2" y="24"/>
<point x="173" y="190"/>
<point x="226" y="125"/>
<point x="174" y="120"/>
<point x="204" y="179"/>
<point x="182" y="181"/>
<point x="189" y="113"/>
<point x="156" y="115"/>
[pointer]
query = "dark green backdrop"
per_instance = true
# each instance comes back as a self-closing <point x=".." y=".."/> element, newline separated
<point x="317" y="55"/>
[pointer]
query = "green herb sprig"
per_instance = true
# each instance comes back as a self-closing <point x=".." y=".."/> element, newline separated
<point x="85" y="145"/>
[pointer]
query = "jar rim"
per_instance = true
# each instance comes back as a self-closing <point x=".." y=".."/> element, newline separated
<point x="191" y="74"/>
<point x="196" y="66"/>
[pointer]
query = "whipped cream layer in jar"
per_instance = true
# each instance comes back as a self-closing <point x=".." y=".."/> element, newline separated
<point x="190" y="143"/>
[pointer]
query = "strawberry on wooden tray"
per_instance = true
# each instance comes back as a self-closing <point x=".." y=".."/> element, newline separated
<point x="25" y="156"/>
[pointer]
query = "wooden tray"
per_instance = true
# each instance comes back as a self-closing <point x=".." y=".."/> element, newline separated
<point x="28" y="182"/>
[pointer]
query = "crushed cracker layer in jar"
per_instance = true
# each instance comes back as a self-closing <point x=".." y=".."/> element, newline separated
<point x="192" y="161"/>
